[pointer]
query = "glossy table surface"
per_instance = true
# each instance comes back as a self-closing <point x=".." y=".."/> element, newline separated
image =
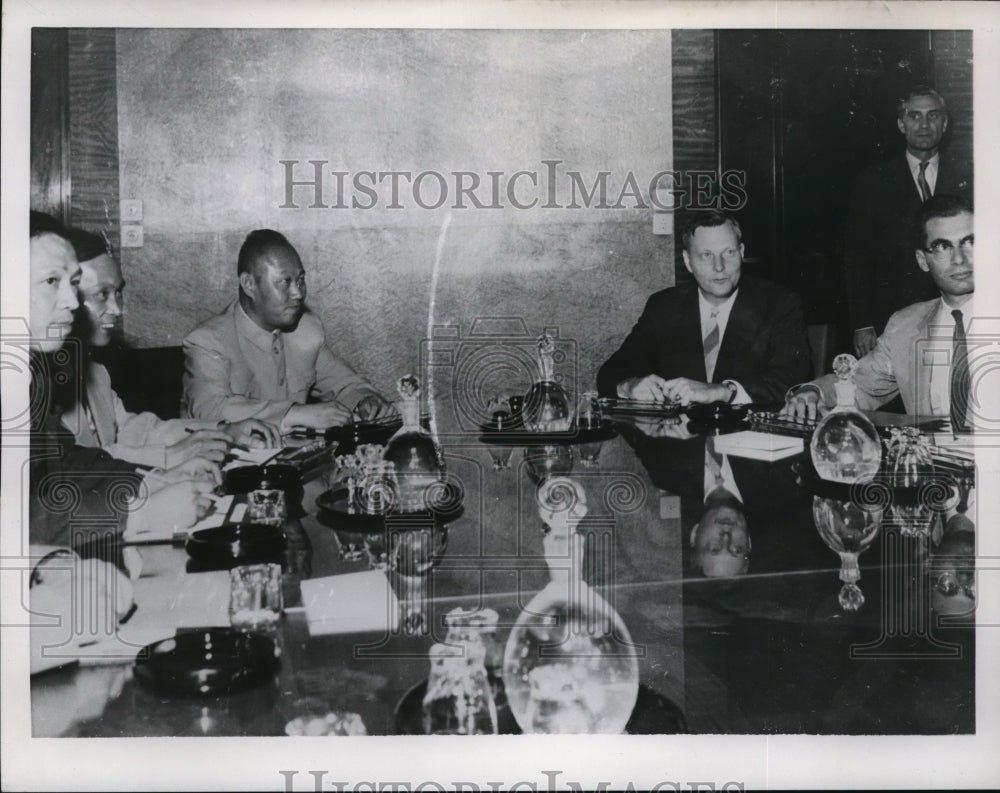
<point x="767" y="652"/>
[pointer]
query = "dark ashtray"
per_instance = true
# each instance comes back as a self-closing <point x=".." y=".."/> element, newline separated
<point x="206" y="662"/>
<point x="653" y="714"/>
<point x="350" y="436"/>
<point x="937" y="489"/>
<point x="275" y="476"/>
<point x="236" y="544"/>
<point x="519" y="436"/>
<point x="717" y="414"/>
<point x="335" y="513"/>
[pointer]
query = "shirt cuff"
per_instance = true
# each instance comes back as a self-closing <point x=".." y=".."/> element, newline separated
<point x="741" y="397"/>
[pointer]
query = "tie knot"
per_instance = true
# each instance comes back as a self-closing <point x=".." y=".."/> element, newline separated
<point x="957" y="314"/>
<point x="713" y="313"/>
<point x="923" y="166"/>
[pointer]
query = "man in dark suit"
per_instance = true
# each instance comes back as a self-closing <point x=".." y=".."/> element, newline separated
<point x="882" y="276"/>
<point x="725" y="338"/>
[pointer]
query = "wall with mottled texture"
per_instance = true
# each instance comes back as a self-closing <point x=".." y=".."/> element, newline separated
<point x="206" y="117"/>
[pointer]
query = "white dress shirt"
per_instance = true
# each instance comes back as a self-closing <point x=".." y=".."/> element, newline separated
<point x="724" y="309"/>
<point x="930" y="174"/>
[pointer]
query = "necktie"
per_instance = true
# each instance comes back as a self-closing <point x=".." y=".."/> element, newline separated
<point x="710" y="342"/>
<point x="925" y="189"/>
<point x="959" y="376"/>
<point x="713" y="461"/>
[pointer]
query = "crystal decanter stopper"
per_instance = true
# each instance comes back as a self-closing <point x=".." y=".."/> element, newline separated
<point x="845" y="446"/>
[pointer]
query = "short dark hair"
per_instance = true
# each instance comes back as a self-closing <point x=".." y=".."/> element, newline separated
<point x="918" y="90"/>
<point x="40" y="224"/>
<point x="709" y="218"/>
<point x="941" y="205"/>
<point x="257" y="245"/>
<point x="88" y="245"/>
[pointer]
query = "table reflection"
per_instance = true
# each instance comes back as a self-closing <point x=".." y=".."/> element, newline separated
<point x="713" y="563"/>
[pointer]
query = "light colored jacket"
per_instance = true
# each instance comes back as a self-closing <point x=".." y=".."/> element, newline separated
<point x="140" y="438"/>
<point x="230" y="370"/>
<point x="900" y="362"/>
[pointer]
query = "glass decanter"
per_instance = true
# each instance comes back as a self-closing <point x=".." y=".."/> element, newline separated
<point x="546" y="406"/>
<point x="910" y="463"/>
<point x="847" y="529"/>
<point x="458" y="699"/>
<point x="845" y="446"/>
<point x="414" y="454"/>
<point x="569" y="663"/>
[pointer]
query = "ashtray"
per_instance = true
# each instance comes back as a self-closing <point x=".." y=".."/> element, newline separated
<point x="206" y="662"/>
<point x="236" y="544"/>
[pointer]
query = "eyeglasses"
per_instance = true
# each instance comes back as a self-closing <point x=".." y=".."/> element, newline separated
<point x="944" y="251"/>
<point x="948" y="584"/>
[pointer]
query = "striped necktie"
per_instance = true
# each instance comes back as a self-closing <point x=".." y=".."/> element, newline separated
<point x="959" y="376"/>
<point x="925" y="189"/>
<point x="710" y="342"/>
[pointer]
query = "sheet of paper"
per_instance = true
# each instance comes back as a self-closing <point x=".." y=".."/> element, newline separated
<point x="759" y="445"/>
<point x="351" y="603"/>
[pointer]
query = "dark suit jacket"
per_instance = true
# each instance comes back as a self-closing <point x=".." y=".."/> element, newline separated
<point x="764" y="348"/>
<point x="882" y="271"/>
<point x="77" y="495"/>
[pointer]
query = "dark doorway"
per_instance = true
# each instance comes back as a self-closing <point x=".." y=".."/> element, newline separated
<point x="801" y="112"/>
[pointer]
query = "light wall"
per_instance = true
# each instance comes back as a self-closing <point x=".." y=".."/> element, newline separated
<point x="205" y="118"/>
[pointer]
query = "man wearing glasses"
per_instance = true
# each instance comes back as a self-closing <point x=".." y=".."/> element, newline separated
<point x="923" y="353"/>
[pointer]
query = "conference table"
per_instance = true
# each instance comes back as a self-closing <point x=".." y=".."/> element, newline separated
<point x="771" y="651"/>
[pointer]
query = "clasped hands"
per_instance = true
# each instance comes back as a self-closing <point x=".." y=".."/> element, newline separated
<point x="678" y="390"/>
<point x="331" y="413"/>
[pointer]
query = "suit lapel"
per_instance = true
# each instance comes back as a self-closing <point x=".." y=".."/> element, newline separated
<point x="689" y="336"/>
<point x="922" y="372"/>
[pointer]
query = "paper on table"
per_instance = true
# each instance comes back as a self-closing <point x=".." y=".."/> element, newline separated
<point x="759" y="445"/>
<point x="350" y="603"/>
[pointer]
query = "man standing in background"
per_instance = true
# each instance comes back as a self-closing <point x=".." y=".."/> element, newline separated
<point x="882" y="276"/>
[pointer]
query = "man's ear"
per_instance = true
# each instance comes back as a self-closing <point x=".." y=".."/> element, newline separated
<point x="248" y="284"/>
<point x="687" y="261"/>
<point x="922" y="261"/>
<point x="900" y="125"/>
<point x="694" y="535"/>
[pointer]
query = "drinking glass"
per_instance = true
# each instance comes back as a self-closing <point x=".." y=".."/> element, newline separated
<point x="267" y="507"/>
<point x="255" y="600"/>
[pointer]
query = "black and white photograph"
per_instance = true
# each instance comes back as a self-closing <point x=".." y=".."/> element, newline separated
<point x="524" y="396"/>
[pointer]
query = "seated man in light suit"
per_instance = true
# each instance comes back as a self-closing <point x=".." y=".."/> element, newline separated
<point x="100" y="418"/>
<point x="725" y="338"/>
<point x="929" y="370"/>
<point x="266" y="355"/>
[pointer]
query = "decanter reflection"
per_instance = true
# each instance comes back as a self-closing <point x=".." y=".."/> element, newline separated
<point x="458" y="699"/>
<point x="569" y="664"/>
<point x="910" y="464"/>
<point x="544" y="462"/>
<point x="589" y="419"/>
<point x="546" y="406"/>
<point x="845" y="446"/>
<point x="414" y="453"/>
<point x="847" y="529"/>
